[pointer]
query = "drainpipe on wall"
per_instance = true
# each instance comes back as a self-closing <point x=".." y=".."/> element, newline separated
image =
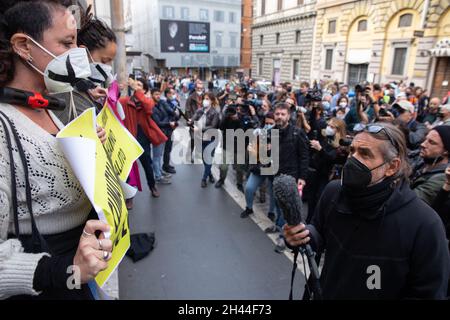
<point x="423" y="20"/>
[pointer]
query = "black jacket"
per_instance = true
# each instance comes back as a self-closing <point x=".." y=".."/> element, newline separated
<point x="293" y="152"/>
<point x="162" y="114"/>
<point x="406" y="240"/>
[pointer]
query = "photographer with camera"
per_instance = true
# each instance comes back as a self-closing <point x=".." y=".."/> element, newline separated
<point x="356" y="224"/>
<point x="404" y="112"/>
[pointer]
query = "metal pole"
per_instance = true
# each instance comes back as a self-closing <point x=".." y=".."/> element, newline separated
<point x="118" y="26"/>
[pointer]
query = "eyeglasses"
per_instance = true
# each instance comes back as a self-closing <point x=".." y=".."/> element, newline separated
<point x="375" y="129"/>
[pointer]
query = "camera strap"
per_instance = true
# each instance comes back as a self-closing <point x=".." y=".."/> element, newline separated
<point x="38" y="242"/>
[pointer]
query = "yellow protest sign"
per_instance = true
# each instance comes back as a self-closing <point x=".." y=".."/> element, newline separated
<point x="98" y="167"/>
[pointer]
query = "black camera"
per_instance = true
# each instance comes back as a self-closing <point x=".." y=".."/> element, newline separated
<point x="346" y="142"/>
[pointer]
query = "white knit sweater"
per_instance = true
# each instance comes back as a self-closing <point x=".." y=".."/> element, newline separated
<point x="59" y="202"/>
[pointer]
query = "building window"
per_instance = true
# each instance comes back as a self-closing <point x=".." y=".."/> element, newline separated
<point x="204" y="15"/>
<point x="296" y="69"/>
<point x="300" y="2"/>
<point x="260" y="66"/>
<point x="332" y="26"/>
<point x="277" y="38"/>
<point x="263" y="7"/>
<point x="261" y="40"/>
<point x="232" y="17"/>
<point x="233" y="40"/>
<point x="328" y="59"/>
<point x="297" y="36"/>
<point x="185" y="13"/>
<point x="219" y="39"/>
<point x="362" y="25"/>
<point x="405" y="20"/>
<point x="280" y="5"/>
<point x="219" y="16"/>
<point x="398" y="65"/>
<point x="168" y="12"/>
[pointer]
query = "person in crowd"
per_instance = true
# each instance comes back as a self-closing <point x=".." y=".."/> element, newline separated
<point x="193" y="104"/>
<point x="161" y="115"/>
<point x="172" y="104"/>
<point x="343" y="91"/>
<point x="224" y="95"/>
<point x="431" y="114"/>
<point x="302" y="95"/>
<point x="356" y="224"/>
<point x="47" y="223"/>
<point x="326" y="152"/>
<point x="138" y="120"/>
<point x="316" y="121"/>
<point x="361" y="111"/>
<point x="207" y="122"/>
<point x="293" y="158"/>
<point x="404" y="112"/>
<point x="429" y="175"/>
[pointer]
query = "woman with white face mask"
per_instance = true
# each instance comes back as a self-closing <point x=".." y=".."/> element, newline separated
<point x="99" y="41"/>
<point x="206" y="121"/>
<point x="44" y="227"/>
<point x="325" y="154"/>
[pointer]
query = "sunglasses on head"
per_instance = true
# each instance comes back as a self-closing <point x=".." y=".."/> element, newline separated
<point x="375" y="129"/>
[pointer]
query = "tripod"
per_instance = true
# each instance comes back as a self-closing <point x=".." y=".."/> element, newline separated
<point x="314" y="278"/>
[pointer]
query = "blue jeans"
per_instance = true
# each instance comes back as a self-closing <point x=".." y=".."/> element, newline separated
<point x="158" y="152"/>
<point x="253" y="183"/>
<point x="207" y="159"/>
<point x="146" y="157"/>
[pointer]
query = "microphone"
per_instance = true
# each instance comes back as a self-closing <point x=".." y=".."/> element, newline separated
<point x="287" y="195"/>
<point x="32" y="100"/>
<point x="288" y="198"/>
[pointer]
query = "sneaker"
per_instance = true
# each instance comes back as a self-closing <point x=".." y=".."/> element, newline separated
<point x="154" y="192"/>
<point x="272" y="229"/>
<point x="219" y="184"/>
<point x="280" y="246"/>
<point x="246" y="213"/>
<point x="204" y="184"/>
<point x="167" y="175"/>
<point x="169" y="170"/>
<point x="211" y="179"/>
<point x="240" y="187"/>
<point x="163" y="180"/>
<point x="272" y="216"/>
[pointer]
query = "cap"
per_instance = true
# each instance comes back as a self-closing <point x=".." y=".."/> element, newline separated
<point x="404" y="105"/>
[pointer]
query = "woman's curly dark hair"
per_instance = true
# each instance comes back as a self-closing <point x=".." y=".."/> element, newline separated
<point x="32" y="17"/>
<point x="94" y="33"/>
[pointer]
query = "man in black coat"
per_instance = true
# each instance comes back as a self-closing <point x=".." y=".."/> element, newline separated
<point x="380" y="240"/>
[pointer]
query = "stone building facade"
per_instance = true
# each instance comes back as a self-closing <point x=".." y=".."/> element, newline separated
<point x="282" y="42"/>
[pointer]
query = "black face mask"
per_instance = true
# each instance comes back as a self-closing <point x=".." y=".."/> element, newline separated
<point x="433" y="161"/>
<point x="356" y="175"/>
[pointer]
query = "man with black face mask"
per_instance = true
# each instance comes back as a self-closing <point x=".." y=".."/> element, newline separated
<point x="380" y="240"/>
<point x="430" y="174"/>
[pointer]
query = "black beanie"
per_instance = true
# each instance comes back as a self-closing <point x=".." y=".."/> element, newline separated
<point x="444" y="132"/>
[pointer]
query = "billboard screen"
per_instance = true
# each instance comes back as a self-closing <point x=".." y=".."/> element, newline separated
<point x="184" y="36"/>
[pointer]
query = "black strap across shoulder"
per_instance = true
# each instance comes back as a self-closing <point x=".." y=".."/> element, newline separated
<point x="38" y="242"/>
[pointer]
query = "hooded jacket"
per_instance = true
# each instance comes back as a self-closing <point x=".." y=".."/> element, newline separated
<point x="399" y="253"/>
<point x="141" y="115"/>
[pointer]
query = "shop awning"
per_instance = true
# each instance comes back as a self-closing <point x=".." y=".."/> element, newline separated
<point x="358" y="56"/>
<point x="441" y="49"/>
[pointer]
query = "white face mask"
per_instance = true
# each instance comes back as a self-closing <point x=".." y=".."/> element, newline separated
<point x="64" y="71"/>
<point x="101" y="74"/>
<point x="340" y="116"/>
<point x="206" y="103"/>
<point x="330" y="132"/>
<point x="343" y="104"/>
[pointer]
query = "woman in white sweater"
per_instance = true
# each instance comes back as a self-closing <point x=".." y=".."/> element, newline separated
<point x="48" y="245"/>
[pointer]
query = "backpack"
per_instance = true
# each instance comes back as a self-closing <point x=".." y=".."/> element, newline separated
<point x="141" y="246"/>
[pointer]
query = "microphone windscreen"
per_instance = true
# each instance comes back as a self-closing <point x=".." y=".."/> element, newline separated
<point x="286" y="194"/>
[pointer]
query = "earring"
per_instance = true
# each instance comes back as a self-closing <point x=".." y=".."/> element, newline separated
<point x="30" y="59"/>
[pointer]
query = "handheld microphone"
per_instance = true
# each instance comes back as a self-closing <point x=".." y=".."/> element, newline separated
<point x="286" y="193"/>
<point x="33" y="100"/>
